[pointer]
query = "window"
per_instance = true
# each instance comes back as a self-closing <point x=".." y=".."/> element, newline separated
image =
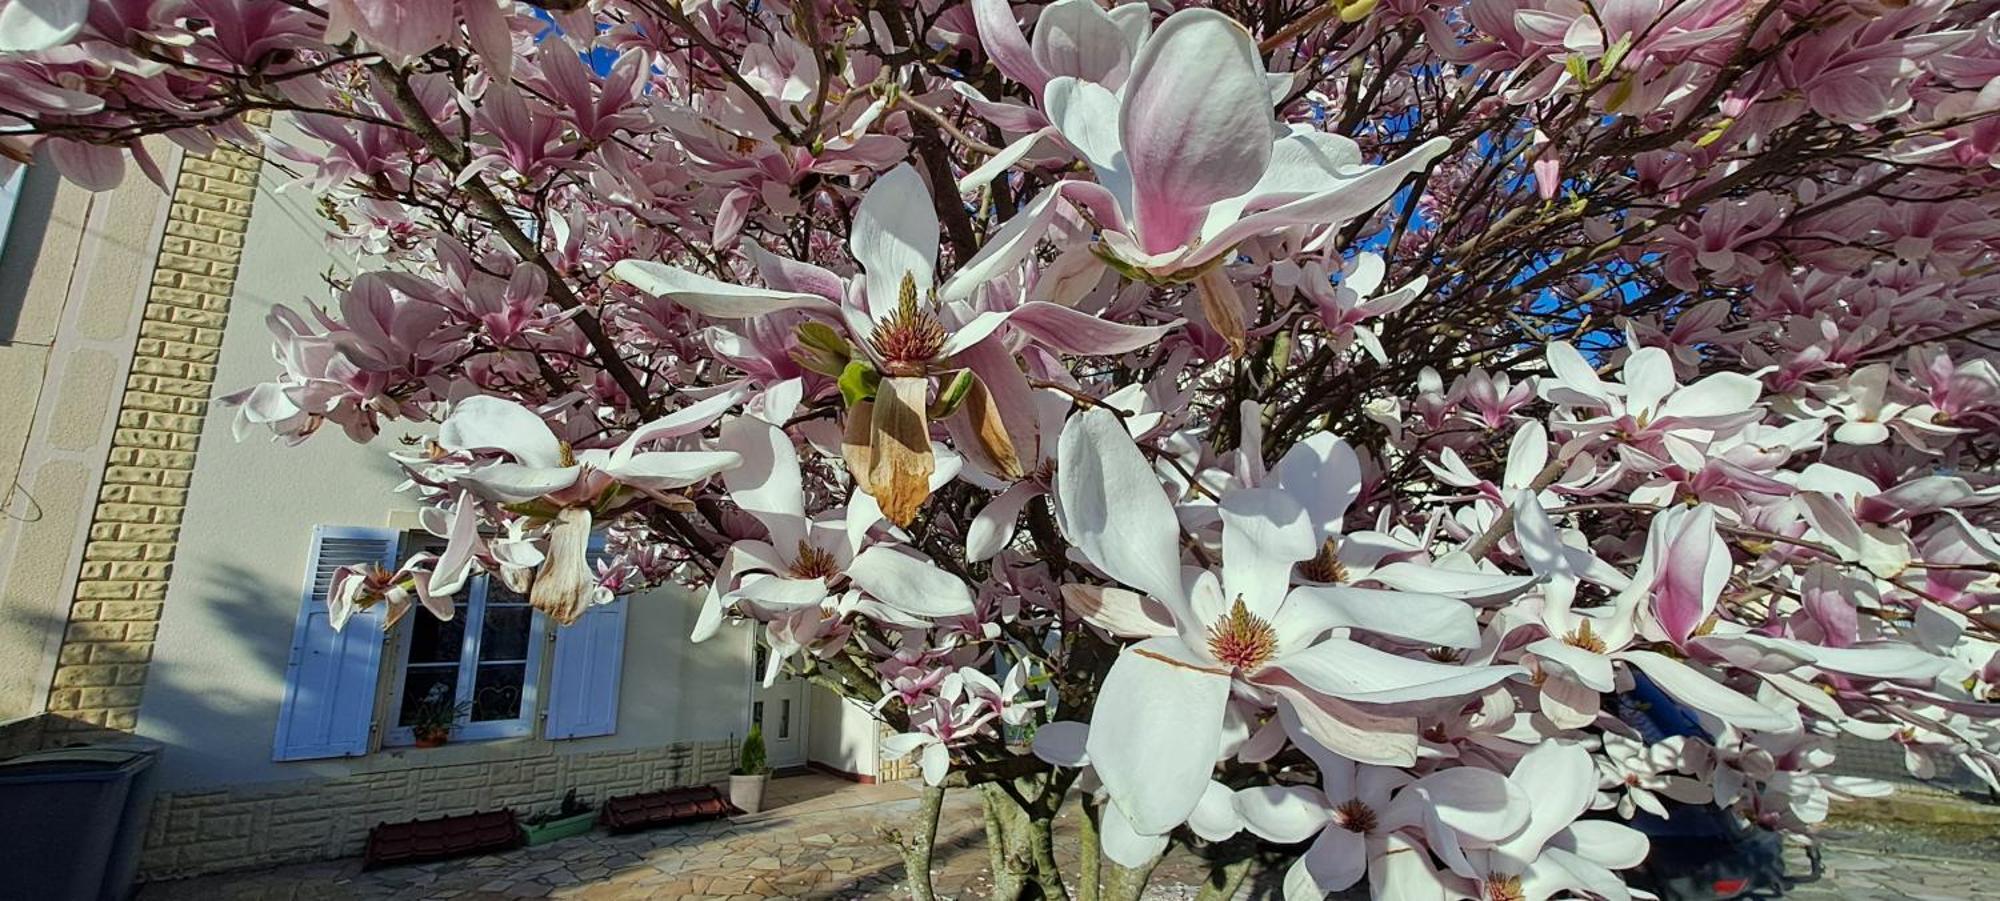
<point x="497" y="656"/>
<point x="487" y="657"/>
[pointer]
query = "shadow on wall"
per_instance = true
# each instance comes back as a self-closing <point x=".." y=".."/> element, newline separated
<point x="19" y="736"/>
<point x="25" y="236"/>
<point x="252" y="610"/>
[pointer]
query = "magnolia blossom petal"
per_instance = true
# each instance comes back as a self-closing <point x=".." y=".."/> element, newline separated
<point x="1693" y="565"/>
<point x="1355" y="197"/>
<point x="1335" y="862"/>
<point x="908" y="583"/>
<point x="1111" y="506"/>
<point x="1422" y="618"/>
<point x="29" y="25"/>
<point x="1356" y="672"/>
<point x="1006" y="249"/>
<point x="666" y="470"/>
<point x="1215" y="817"/>
<point x="1324" y="474"/>
<point x="1470" y="584"/>
<point x="1061" y="743"/>
<point x="993" y="527"/>
<point x="1004" y="44"/>
<point x="768" y="479"/>
<point x="1192" y="121"/>
<point x="514" y="483"/>
<point x="461" y="540"/>
<point x="1588" y="667"/>
<point x="486" y="423"/>
<point x="1077" y="38"/>
<point x="1691" y="687"/>
<point x="1264" y="532"/>
<point x="1124" y="844"/>
<point x="782" y="593"/>
<point x="1126" y="614"/>
<point x="1286" y="814"/>
<point x="1603" y="842"/>
<point x="1348" y="730"/>
<point x="1473" y="802"/>
<point x="687" y="420"/>
<point x="565" y="579"/>
<point x="1559" y="782"/>
<point x="1156" y="731"/>
<point x="710" y="297"/>
<point x="1061" y="329"/>
<point x="895" y="235"/>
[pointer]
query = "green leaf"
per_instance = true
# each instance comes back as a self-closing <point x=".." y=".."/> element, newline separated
<point x="953" y="394"/>
<point x="822" y="336"/>
<point x="858" y="382"/>
<point x="821" y="349"/>
<point x="1615" y="54"/>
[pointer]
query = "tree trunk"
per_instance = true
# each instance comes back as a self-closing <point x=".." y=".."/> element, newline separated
<point x="918" y="849"/>
<point x="1126" y="883"/>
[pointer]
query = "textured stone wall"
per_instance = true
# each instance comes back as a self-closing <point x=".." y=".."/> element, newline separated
<point x="893" y="769"/>
<point x="114" y="617"/>
<point x="202" y="832"/>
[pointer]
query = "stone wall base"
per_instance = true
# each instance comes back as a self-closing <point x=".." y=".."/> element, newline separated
<point x="194" y="833"/>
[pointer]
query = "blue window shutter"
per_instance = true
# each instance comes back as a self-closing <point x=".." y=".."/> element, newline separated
<point x="329" y="703"/>
<point x="583" y="684"/>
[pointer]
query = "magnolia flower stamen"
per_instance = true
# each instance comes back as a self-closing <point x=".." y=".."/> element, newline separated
<point x="1325" y="566"/>
<point x="910" y="339"/>
<point x="1583" y="637"/>
<point x="1356" y="817"/>
<point x="1502" y="888"/>
<point x="1242" y="639"/>
<point x="813" y="563"/>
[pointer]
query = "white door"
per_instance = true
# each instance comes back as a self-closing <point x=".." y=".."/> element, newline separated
<point x="781" y="709"/>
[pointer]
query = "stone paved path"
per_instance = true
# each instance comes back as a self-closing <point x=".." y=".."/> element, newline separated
<point x="832" y="840"/>
<point x="1855" y="874"/>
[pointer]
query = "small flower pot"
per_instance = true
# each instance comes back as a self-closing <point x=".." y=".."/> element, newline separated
<point x="431" y="739"/>
<point x="746" y="793"/>
<point x="543" y="833"/>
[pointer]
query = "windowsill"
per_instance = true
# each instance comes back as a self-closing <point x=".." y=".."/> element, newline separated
<point x="453" y="753"/>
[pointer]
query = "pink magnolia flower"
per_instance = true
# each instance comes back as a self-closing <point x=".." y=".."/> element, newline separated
<point x="1158" y="725"/>
<point x="1178" y="187"/>
<point x="1362" y="817"/>
<point x="1555" y="852"/>
<point x="515" y="458"/>
<point x="807" y="561"/>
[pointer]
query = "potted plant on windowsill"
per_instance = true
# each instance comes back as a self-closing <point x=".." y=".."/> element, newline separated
<point x="748" y="780"/>
<point x="432" y="722"/>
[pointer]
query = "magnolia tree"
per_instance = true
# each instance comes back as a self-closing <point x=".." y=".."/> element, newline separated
<point x="1395" y="441"/>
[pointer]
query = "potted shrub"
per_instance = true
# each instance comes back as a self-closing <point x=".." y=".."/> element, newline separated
<point x="435" y="716"/>
<point x="573" y="817"/>
<point x="747" y="781"/>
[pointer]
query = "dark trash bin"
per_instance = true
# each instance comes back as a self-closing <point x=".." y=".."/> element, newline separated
<point x="75" y="819"/>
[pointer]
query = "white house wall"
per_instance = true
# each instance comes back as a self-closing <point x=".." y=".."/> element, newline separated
<point x="217" y="675"/>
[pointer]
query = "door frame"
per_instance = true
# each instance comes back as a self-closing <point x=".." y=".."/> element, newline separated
<point x="803" y="722"/>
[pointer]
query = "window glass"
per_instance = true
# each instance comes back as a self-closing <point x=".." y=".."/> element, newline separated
<point x="504" y="639"/>
<point x="487" y="656"/>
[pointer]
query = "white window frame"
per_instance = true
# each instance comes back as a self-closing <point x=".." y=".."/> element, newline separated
<point x="396" y="735"/>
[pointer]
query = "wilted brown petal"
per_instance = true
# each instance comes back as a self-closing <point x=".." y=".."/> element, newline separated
<point x="564" y="579"/>
<point x="899" y="449"/>
<point x="854" y="443"/>
<point x="1223" y="307"/>
<point x="989" y="430"/>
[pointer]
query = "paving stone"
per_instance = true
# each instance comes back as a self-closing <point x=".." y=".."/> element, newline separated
<point x="836" y="849"/>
